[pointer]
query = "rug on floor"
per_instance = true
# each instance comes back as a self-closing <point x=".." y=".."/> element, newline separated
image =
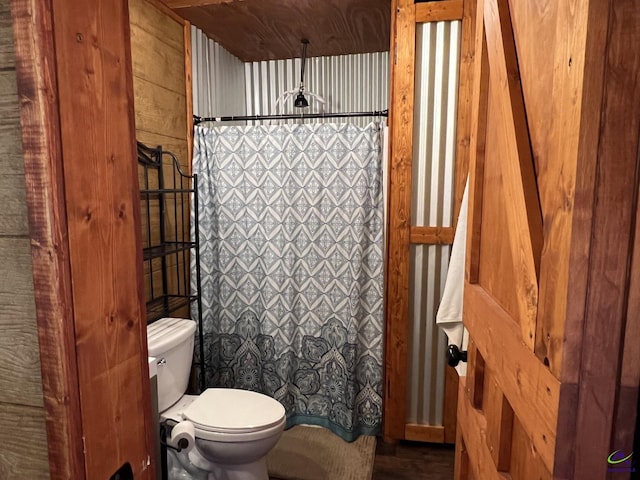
<point x="310" y="453"/>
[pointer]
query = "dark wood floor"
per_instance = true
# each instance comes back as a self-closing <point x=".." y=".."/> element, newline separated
<point x="413" y="461"/>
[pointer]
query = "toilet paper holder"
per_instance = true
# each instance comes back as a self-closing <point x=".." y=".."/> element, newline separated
<point x="455" y="355"/>
<point x="166" y="427"/>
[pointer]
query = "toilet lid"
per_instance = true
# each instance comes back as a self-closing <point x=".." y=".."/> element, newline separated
<point x="233" y="411"/>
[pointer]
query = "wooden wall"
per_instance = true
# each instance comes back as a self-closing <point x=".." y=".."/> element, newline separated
<point x="23" y="439"/>
<point x="159" y="80"/>
<point x="160" y="46"/>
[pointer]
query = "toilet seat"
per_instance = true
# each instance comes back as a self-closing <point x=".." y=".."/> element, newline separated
<point x="239" y="437"/>
<point x="233" y="411"/>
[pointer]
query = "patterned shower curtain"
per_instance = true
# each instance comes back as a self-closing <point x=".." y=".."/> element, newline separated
<point x="291" y="260"/>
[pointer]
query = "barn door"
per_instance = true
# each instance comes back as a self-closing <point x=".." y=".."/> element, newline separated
<point x="508" y="410"/>
<point x="546" y="308"/>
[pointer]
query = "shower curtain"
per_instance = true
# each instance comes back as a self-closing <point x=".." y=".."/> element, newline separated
<point x="290" y="220"/>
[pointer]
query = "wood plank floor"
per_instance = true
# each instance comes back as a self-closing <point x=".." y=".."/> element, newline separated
<point x="413" y="461"/>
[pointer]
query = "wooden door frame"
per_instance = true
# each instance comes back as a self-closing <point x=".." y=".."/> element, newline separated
<point x="59" y="50"/>
<point x="42" y="151"/>
<point x="405" y="15"/>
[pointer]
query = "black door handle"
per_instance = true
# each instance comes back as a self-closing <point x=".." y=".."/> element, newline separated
<point x="455" y="356"/>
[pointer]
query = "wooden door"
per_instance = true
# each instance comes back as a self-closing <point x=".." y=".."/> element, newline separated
<point x="546" y="290"/>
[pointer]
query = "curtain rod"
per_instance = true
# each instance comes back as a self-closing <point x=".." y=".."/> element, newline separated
<point x="381" y="113"/>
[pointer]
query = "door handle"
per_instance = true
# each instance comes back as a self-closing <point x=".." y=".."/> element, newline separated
<point x="455" y="355"/>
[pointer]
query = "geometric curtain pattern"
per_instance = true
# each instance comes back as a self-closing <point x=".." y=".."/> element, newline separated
<point x="290" y="221"/>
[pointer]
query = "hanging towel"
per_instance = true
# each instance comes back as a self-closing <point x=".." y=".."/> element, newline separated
<point x="449" y="316"/>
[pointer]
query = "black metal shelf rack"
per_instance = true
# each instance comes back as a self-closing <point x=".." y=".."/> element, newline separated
<point x="165" y="200"/>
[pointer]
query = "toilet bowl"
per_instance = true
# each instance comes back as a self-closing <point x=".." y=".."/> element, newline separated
<point x="233" y="429"/>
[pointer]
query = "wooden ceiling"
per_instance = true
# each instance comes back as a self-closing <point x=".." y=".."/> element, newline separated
<point x="256" y="30"/>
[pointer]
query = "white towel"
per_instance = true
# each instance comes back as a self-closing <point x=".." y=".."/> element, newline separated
<point x="449" y="316"/>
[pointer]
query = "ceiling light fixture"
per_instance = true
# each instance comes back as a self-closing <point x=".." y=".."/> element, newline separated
<point x="301" y="101"/>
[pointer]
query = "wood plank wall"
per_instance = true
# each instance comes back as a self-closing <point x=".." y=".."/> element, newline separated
<point x="160" y="42"/>
<point x="23" y="438"/>
<point x="159" y="80"/>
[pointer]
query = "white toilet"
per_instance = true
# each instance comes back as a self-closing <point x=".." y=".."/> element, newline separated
<point x="234" y="429"/>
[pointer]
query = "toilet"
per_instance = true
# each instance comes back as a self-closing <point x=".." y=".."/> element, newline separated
<point x="233" y="429"/>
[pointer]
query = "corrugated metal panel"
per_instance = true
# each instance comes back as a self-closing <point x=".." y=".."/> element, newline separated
<point x="218" y="78"/>
<point x="437" y="59"/>
<point x="428" y="343"/>
<point x="346" y="83"/>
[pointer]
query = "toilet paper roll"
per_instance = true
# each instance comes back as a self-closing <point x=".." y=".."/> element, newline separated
<point x="183" y="436"/>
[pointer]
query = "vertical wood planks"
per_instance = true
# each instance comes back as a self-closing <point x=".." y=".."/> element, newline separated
<point x="499" y="417"/>
<point x="98" y="147"/>
<point x="566" y="188"/>
<point x="461" y="459"/>
<point x="463" y="142"/>
<point x="627" y="401"/>
<point x="401" y="134"/>
<point x="525" y="461"/>
<point x="612" y="240"/>
<point x="479" y="108"/>
<point x="465" y="97"/>
<point x="37" y="84"/>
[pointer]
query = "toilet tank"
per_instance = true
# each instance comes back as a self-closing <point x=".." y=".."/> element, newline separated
<point x="170" y="341"/>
